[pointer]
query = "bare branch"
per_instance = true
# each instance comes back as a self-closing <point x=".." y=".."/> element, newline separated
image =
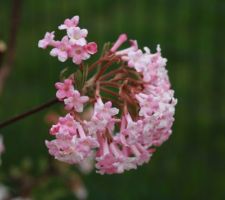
<point x="6" y="66"/>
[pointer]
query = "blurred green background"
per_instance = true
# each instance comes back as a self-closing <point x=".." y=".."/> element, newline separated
<point x="191" y="165"/>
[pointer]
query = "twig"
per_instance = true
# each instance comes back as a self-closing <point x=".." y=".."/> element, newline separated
<point x="28" y="113"/>
<point x="6" y="66"/>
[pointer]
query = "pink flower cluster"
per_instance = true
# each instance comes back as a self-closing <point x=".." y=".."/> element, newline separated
<point x="73" y="45"/>
<point x="116" y="138"/>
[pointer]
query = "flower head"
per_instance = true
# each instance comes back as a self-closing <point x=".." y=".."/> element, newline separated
<point x="130" y="106"/>
<point x="73" y="45"/>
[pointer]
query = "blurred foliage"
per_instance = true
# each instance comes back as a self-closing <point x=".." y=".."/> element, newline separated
<point x="191" y="33"/>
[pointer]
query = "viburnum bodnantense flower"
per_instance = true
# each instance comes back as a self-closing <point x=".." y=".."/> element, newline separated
<point x="119" y="108"/>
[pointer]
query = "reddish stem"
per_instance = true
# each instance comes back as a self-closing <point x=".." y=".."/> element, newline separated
<point x="104" y="68"/>
<point x="108" y="83"/>
<point x="109" y="92"/>
<point x="113" y="72"/>
<point x="95" y="64"/>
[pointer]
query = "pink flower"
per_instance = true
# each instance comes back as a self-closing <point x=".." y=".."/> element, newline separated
<point x="65" y="89"/>
<point x="48" y="40"/>
<point x="130" y="130"/>
<point x="79" y="53"/>
<point x="62" y="49"/>
<point x="148" y="103"/>
<point x="141" y="153"/>
<point x="64" y="150"/>
<point x="77" y="35"/>
<point x="110" y="159"/>
<point x="121" y="39"/>
<point x="66" y="127"/>
<point x="73" y="45"/>
<point x="91" y="48"/>
<point x="102" y="117"/>
<point x="72" y="150"/>
<point x="68" y="23"/>
<point x="133" y="47"/>
<point x="75" y="101"/>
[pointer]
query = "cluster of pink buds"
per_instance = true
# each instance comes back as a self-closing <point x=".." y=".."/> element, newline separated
<point x="123" y="110"/>
<point x="73" y="45"/>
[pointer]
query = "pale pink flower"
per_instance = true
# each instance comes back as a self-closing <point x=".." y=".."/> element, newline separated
<point x="68" y="23"/>
<point x="64" y="89"/>
<point x="130" y="130"/>
<point x="62" y="49"/>
<point x="77" y="35"/>
<point x="148" y="103"/>
<point x="141" y="153"/>
<point x="78" y="54"/>
<point x="76" y="101"/>
<point x="72" y="150"/>
<point x="64" y="150"/>
<point x="121" y="39"/>
<point x="133" y="47"/>
<point x="110" y="159"/>
<point x="102" y="118"/>
<point x="123" y="162"/>
<point x="47" y="40"/>
<point x="65" y="128"/>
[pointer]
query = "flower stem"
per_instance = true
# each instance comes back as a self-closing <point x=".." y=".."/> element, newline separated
<point x="111" y="73"/>
<point x="28" y="113"/>
<point x="104" y="68"/>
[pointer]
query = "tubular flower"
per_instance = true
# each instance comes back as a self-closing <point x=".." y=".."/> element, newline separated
<point x="120" y="108"/>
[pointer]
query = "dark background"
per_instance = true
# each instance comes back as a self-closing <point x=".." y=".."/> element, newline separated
<point x="191" y="164"/>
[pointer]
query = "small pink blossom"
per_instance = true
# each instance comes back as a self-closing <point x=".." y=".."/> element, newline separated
<point x="75" y="101"/>
<point x="68" y="23"/>
<point x="62" y="49"/>
<point x="91" y="48"/>
<point x="78" y="54"/>
<point x="77" y="35"/>
<point x="130" y="130"/>
<point x="73" y="150"/>
<point x="102" y="117"/>
<point x="65" y="128"/>
<point x="65" y="89"/>
<point x="121" y="39"/>
<point x="133" y="47"/>
<point x="47" y="40"/>
<point x="64" y="150"/>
